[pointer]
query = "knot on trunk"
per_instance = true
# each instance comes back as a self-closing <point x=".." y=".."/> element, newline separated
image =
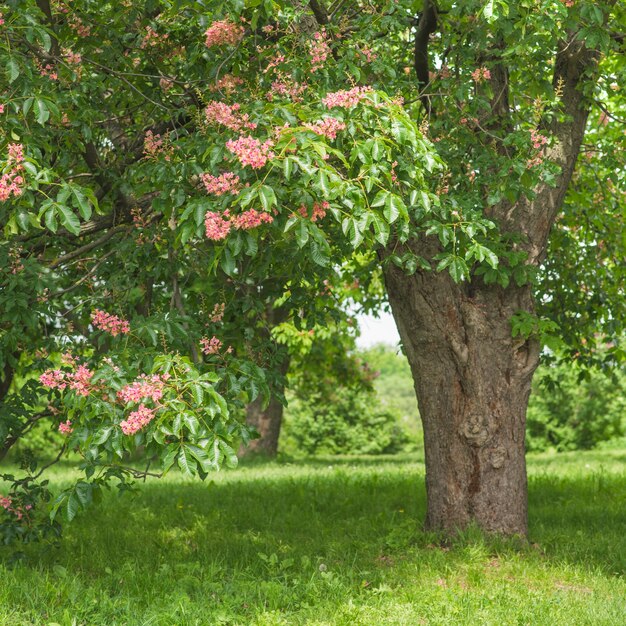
<point x="476" y="430"/>
<point x="497" y="457"/>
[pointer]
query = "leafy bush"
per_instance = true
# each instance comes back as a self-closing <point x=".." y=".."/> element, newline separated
<point x="345" y="421"/>
<point x="571" y="410"/>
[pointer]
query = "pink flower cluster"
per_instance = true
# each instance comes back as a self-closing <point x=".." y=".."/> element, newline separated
<point x="12" y="181"/>
<point x="78" y="26"/>
<point x="328" y="127"/>
<point x="319" y="50"/>
<point x="347" y="98"/>
<point x="251" y="151"/>
<point x="109" y="323"/>
<point x="319" y="210"/>
<point x="286" y="87"/>
<point x="226" y="115"/>
<point x="152" y="38"/>
<point x="227" y="83"/>
<point x="223" y="32"/>
<point x="480" y="74"/>
<point x="144" y="387"/>
<point x="538" y="140"/>
<point x="251" y="219"/>
<point x="79" y="381"/>
<point x="217" y="315"/>
<point x="210" y="346"/>
<point x="7" y="503"/>
<point x="368" y="53"/>
<point x="137" y="420"/>
<point x="53" y="379"/>
<point x="216" y="225"/>
<point x="66" y="428"/>
<point x="153" y="145"/>
<point x="219" y="185"/>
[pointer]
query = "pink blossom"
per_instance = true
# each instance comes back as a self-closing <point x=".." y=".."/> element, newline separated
<point x="153" y="145"/>
<point x="538" y="140"/>
<point x="319" y="50"/>
<point x="251" y="151"/>
<point x="144" y="387"/>
<point x="223" y="32"/>
<point x="16" y="152"/>
<point x="251" y="219"/>
<point x="66" y="427"/>
<point x="217" y="315"/>
<point x="274" y="62"/>
<point x="219" y="185"/>
<point x="346" y="98"/>
<point x="216" y="226"/>
<point x="109" y="323"/>
<point x="368" y="53"/>
<point x="228" y="83"/>
<point x="136" y="420"/>
<point x="210" y="346"/>
<point x="54" y="379"/>
<point x="480" y="74"/>
<point x="286" y="87"/>
<point x="226" y="115"/>
<point x="152" y="38"/>
<point x="80" y="380"/>
<point x="319" y="210"/>
<point x="328" y="127"/>
<point x="1" y="109"/>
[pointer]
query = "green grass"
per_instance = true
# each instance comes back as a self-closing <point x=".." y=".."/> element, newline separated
<point x="330" y="542"/>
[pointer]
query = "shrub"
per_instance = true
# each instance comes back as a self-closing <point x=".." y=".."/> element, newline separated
<point x="344" y="421"/>
<point x="571" y="410"/>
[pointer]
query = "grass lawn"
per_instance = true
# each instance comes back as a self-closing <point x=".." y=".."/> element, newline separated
<point x="330" y="542"/>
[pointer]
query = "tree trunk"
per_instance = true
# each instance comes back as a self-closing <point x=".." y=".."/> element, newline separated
<point x="472" y="381"/>
<point x="268" y="422"/>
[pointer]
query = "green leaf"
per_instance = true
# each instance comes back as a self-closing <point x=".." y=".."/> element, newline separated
<point x="81" y="203"/>
<point x="381" y="229"/>
<point x="302" y="233"/>
<point x="187" y="465"/>
<point x="13" y="70"/>
<point x="69" y="220"/>
<point x="287" y="167"/>
<point x="267" y="197"/>
<point x="51" y="219"/>
<point x="41" y="111"/>
<point x="394" y="207"/>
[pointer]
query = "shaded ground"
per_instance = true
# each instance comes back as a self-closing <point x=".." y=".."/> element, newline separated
<point x="331" y="542"/>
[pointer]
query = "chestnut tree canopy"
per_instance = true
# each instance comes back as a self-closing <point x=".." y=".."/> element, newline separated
<point x="181" y="182"/>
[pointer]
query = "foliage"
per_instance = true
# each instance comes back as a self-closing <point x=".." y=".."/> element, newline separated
<point x="332" y="541"/>
<point x="572" y="409"/>
<point x="342" y="420"/>
<point x="172" y="169"/>
<point x="394" y="386"/>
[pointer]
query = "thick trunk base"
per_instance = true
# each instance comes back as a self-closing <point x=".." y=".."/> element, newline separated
<point x="472" y="380"/>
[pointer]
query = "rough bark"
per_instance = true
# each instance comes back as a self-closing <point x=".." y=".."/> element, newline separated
<point x="472" y="378"/>
<point x="472" y="381"/>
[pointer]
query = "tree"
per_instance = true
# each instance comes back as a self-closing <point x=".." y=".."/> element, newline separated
<point x="163" y="159"/>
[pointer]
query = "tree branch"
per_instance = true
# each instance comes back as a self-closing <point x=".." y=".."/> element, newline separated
<point x="427" y="24"/>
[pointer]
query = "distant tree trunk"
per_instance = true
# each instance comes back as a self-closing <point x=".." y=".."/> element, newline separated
<point x="472" y="381"/>
<point x="267" y="422"/>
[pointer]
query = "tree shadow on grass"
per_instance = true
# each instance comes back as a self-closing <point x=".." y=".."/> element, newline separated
<point x="274" y="536"/>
